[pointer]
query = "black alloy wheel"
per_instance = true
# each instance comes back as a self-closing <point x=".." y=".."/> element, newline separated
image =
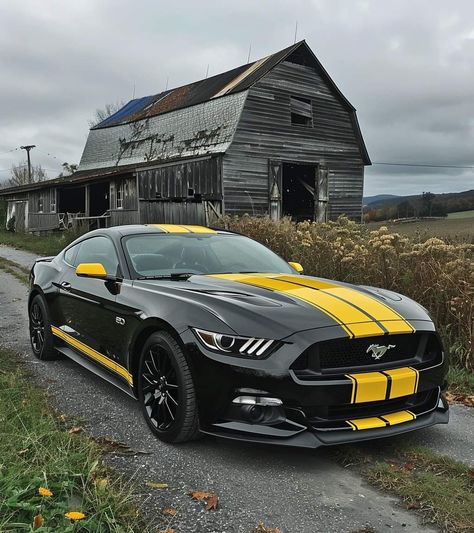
<point x="166" y="389"/>
<point x="41" y="337"/>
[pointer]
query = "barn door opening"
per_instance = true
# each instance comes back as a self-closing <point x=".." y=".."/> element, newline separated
<point x="298" y="191"/>
<point x="98" y="199"/>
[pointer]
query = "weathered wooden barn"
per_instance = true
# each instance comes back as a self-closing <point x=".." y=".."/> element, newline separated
<point x="275" y="136"/>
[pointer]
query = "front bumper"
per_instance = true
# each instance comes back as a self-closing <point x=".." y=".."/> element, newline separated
<point x="315" y="412"/>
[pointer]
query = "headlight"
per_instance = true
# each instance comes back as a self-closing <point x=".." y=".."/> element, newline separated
<point x="233" y="345"/>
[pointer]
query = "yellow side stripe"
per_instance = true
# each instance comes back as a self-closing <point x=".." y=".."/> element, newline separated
<point x="374" y="386"/>
<point x="93" y="354"/>
<point x="391" y="419"/>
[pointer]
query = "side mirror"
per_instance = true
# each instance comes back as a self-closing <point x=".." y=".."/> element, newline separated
<point x="296" y="266"/>
<point x="91" y="270"/>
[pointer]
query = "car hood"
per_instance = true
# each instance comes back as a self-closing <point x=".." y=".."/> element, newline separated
<point x="278" y="305"/>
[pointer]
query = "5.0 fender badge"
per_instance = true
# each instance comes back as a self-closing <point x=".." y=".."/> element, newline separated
<point x="379" y="351"/>
<point x="120" y="320"/>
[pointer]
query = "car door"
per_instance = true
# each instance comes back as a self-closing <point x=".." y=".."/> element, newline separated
<point x="88" y="304"/>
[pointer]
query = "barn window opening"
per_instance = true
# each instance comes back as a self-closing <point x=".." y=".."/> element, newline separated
<point x="301" y="111"/>
<point x="40" y="203"/>
<point x="53" y="202"/>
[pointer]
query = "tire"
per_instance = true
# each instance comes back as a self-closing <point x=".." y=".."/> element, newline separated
<point x="41" y="337"/>
<point x="166" y="390"/>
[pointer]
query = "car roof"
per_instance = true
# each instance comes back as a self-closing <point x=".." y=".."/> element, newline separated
<point x="134" y="229"/>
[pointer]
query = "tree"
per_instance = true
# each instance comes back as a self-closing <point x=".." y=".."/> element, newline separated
<point x="105" y="112"/>
<point x="19" y="174"/>
<point x="68" y="169"/>
<point x="427" y="202"/>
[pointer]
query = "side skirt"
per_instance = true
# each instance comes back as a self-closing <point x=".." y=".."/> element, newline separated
<point x="95" y="369"/>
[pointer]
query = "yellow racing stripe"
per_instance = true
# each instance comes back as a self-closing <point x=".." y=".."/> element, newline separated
<point x="359" y="314"/>
<point x="93" y="354"/>
<point x="391" y="419"/>
<point x="404" y="381"/>
<point x="368" y="387"/>
<point x="399" y="418"/>
<point x="170" y="228"/>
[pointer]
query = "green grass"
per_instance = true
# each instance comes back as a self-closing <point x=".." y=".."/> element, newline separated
<point x="20" y="272"/>
<point x="461" y="214"/>
<point x="45" y="245"/>
<point x="438" y="487"/>
<point x="37" y="450"/>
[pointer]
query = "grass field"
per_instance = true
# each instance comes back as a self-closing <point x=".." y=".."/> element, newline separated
<point x="456" y="229"/>
<point x="462" y="214"/>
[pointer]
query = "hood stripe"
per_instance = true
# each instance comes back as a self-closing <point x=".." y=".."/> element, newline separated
<point x="360" y="315"/>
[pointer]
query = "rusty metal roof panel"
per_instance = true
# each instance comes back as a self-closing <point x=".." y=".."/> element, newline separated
<point x="232" y="81"/>
<point x="202" y="129"/>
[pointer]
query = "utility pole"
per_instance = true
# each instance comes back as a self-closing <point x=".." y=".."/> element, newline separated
<point x="28" y="147"/>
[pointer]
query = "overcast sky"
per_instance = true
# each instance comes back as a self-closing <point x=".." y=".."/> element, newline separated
<point x="406" y="65"/>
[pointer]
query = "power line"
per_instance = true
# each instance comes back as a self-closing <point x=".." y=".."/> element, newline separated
<point x="10" y="151"/>
<point x="420" y="165"/>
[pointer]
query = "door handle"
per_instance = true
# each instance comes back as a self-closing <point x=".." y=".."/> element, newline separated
<point x="65" y="285"/>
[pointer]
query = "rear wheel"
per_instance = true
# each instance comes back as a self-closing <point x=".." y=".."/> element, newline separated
<point x="41" y="337"/>
<point x="166" y="389"/>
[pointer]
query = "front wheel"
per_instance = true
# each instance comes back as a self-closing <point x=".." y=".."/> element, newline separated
<point x="166" y="390"/>
<point x="41" y="337"/>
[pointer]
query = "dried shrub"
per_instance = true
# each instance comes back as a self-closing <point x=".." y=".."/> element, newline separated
<point x="437" y="274"/>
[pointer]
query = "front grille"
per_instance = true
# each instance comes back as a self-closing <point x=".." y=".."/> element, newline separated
<point x="338" y="356"/>
<point x="334" y="416"/>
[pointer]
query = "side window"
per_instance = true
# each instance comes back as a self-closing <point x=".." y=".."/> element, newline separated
<point x="70" y="254"/>
<point x="99" y="250"/>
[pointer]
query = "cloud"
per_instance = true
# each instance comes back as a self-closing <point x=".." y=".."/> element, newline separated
<point x="406" y="66"/>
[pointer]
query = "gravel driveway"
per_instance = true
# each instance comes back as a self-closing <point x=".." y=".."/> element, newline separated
<point x="301" y="491"/>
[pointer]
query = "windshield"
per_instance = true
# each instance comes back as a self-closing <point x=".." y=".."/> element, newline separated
<point x="167" y="254"/>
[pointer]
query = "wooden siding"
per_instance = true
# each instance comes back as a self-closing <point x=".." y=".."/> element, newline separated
<point x="172" y="212"/>
<point x="129" y="190"/>
<point x="124" y="216"/>
<point x="48" y="197"/>
<point x="265" y="133"/>
<point x="203" y="176"/>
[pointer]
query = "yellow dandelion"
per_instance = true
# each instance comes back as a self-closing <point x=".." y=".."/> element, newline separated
<point x="75" y="515"/>
<point x="43" y="491"/>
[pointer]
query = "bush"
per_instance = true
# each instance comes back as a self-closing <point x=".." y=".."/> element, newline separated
<point x="438" y="275"/>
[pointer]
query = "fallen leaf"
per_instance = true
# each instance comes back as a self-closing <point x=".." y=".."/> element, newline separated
<point x="470" y="472"/>
<point x="200" y="495"/>
<point x="409" y="467"/>
<point x="117" y="447"/>
<point x="167" y="530"/>
<point x="157" y="485"/>
<point x="22" y="452"/>
<point x="211" y="499"/>
<point x="62" y="418"/>
<point x="212" y="502"/>
<point x="75" y="429"/>
<point x="465" y="399"/>
<point x="38" y="521"/>
<point x="170" y="511"/>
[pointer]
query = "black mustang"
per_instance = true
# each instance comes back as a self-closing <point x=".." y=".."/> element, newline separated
<point x="214" y="333"/>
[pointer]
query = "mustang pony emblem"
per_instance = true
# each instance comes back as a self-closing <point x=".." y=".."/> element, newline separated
<point x="379" y="351"/>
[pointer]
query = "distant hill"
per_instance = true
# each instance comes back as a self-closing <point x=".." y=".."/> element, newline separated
<point x="367" y="200"/>
<point x="387" y="207"/>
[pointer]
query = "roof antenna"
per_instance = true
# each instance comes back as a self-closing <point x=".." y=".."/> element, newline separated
<point x="207" y="70"/>
<point x="250" y="51"/>
<point x="296" y="31"/>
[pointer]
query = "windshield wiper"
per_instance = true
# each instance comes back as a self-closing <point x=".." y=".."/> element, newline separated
<point x="172" y="275"/>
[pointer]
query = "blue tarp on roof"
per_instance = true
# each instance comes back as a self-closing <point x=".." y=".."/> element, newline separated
<point x="128" y="109"/>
